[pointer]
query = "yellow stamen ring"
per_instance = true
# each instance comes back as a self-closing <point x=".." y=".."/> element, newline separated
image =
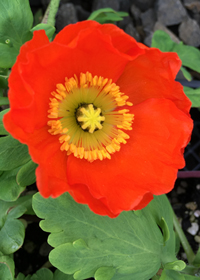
<point x="84" y="115"/>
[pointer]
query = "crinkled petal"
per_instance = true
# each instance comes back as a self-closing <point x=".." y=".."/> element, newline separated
<point x="152" y="76"/>
<point x="124" y="43"/>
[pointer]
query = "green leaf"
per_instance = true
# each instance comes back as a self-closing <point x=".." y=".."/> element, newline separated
<point x="12" y="153"/>
<point x="4" y="101"/>
<point x="177" y="265"/>
<point x="9" y="189"/>
<point x="7" y="267"/>
<point x="177" y="242"/>
<point x="165" y="229"/>
<point x="58" y="275"/>
<point x="8" y="55"/>
<point x="12" y="230"/>
<point x="16" y="20"/>
<point x="193" y="95"/>
<point x="190" y="56"/>
<point x="49" y="29"/>
<point x="45" y="274"/>
<point x="162" y="212"/>
<point x="26" y="174"/>
<point x="175" y="275"/>
<point x="107" y="15"/>
<point x="87" y="244"/>
<point x="186" y="74"/>
<point x="25" y="202"/>
<point x="162" y="41"/>
<point x="20" y="276"/>
<point x="104" y="273"/>
<point x="3" y="78"/>
<point x="2" y="129"/>
<point x="171" y="275"/>
<point x="11" y="236"/>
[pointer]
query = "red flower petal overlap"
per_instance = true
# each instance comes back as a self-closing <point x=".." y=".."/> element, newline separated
<point x="137" y="162"/>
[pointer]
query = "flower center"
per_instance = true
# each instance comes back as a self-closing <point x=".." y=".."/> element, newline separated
<point x="89" y="118"/>
<point x="86" y="117"/>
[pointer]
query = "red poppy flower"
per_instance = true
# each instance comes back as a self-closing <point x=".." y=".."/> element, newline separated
<point x="101" y="115"/>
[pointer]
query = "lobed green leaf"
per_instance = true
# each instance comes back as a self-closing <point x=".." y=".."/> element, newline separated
<point x="106" y="15"/>
<point x="12" y="230"/>
<point x="16" y="20"/>
<point x="26" y="175"/>
<point x="2" y="129"/>
<point x="164" y="218"/>
<point x="12" y="153"/>
<point x="45" y="274"/>
<point x="190" y="56"/>
<point x="193" y="95"/>
<point x="9" y="188"/>
<point x="175" y="275"/>
<point x="130" y="246"/>
<point x="162" y="41"/>
<point x="176" y="265"/>
<point x="186" y="74"/>
<point x="7" y="267"/>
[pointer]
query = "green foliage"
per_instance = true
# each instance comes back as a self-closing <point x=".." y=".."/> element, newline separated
<point x="7" y="267"/>
<point x="164" y="218"/>
<point x="3" y="86"/>
<point x="45" y="274"/>
<point x="17" y="170"/>
<point x="190" y="57"/>
<point x="26" y="174"/>
<point x="16" y="20"/>
<point x="12" y="153"/>
<point x="13" y="182"/>
<point x="175" y="275"/>
<point x="193" y="95"/>
<point x="2" y="129"/>
<point x="107" y="15"/>
<point x="130" y="246"/>
<point x="9" y="188"/>
<point x="186" y="74"/>
<point x="4" y="101"/>
<point x="12" y="230"/>
<point x="177" y="265"/>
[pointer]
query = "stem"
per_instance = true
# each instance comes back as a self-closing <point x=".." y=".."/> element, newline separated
<point x="186" y="246"/>
<point x="50" y="13"/>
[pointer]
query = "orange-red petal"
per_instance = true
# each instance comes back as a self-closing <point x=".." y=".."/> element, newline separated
<point x="148" y="163"/>
<point x="152" y="75"/>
